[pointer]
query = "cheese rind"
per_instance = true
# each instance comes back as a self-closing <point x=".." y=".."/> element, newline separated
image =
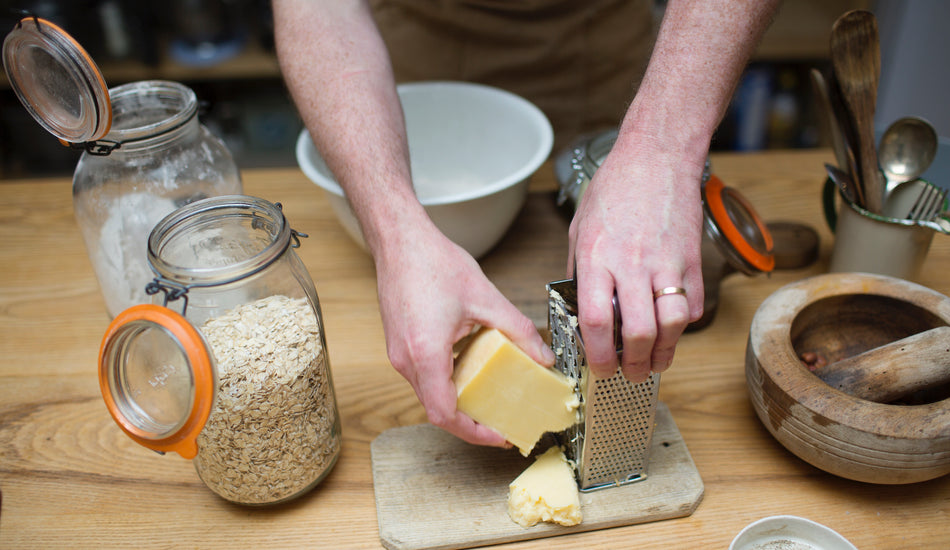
<point x="501" y="387"/>
<point x="545" y="491"/>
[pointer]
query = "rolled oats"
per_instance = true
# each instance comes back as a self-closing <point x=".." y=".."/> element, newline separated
<point x="273" y="431"/>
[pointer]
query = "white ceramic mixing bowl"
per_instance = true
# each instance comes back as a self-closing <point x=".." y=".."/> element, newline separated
<point x="472" y="149"/>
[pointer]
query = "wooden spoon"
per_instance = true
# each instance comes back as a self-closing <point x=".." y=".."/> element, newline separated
<point x="856" y="58"/>
<point x="830" y="124"/>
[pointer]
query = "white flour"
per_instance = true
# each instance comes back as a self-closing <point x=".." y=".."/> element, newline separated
<point x="121" y="260"/>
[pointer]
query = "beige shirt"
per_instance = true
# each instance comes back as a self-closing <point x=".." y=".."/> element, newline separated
<point x="580" y="61"/>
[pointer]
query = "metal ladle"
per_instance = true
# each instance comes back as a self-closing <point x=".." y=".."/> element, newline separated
<point x="907" y="148"/>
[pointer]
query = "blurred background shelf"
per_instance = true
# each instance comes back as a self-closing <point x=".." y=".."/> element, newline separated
<point x="248" y="105"/>
<point x="253" y="62"/>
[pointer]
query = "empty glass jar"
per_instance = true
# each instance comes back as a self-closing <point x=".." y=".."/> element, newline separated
<point x="165" y="159"/>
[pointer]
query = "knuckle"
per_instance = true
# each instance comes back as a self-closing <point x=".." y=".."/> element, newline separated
<point x="596" y="319"/>
<point x="677" y="318"/>
<point x="639" y="337"/>
<point x="439" y="418"/>
<point x="697" y="313"/>
<point x="636" y="371"/>
<point x="404" y="354"/>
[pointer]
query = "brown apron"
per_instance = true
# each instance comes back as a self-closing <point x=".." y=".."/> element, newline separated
<point x="580" y="61"/>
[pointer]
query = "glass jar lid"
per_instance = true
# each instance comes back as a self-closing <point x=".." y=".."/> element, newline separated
<point x="736" y="228"/>
<point x="157" y="378"/>
<point x="57" y="81"/>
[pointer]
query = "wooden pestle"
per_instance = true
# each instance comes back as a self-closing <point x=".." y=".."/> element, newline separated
<point x="891" y="371"/>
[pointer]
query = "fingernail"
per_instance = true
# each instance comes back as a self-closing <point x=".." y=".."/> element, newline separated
<point x="636" y="376"/>
<point x="660" y="367"/>
<point x="602" y="373"/>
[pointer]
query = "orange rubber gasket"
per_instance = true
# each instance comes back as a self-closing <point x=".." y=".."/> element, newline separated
<point x="763" y="262"/>
<point x="184" y="440"/>
<point x="91" y="63"/>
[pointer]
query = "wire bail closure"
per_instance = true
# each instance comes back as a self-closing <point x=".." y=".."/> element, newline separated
<point x="99" y="148"/>
<point x="172" y="290"/>
<point x="295" y="235"/>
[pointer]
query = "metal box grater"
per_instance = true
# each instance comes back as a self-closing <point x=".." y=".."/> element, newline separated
<point x="611" y="445"/>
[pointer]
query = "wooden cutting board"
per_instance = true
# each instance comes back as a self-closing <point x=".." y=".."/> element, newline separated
<point x="433" y="490"/>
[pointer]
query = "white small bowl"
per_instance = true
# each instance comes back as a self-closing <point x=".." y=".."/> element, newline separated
<point x="472" y="149"/>
<point x="788" y="533"/>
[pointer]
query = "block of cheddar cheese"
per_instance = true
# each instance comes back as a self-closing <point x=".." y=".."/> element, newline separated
<point x="545" y="491"/>
<point x="501" y="387"/>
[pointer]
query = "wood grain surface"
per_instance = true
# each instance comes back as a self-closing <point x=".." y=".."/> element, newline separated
<point x="70" y="479"/>
<point x="433" y="490"/>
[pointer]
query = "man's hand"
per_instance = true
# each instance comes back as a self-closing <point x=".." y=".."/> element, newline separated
<point x="431" y="296"/>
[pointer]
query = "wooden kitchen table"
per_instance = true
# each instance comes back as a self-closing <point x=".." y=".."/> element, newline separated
<point x="71" y="479"/>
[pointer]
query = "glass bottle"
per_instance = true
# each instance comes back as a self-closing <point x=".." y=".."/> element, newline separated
<point x="240" y="379"/>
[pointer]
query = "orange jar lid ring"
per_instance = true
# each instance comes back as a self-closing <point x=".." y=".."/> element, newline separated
<point x="129" y="325"/>
<point x="57" y="81"/>
<point x="713" y="190"/>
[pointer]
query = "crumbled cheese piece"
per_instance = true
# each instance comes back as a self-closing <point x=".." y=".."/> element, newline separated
<point x="545" y="491"/>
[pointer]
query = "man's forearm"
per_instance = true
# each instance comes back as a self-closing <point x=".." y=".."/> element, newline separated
<point x="700" y="53"/>
<point x="338" y="71"/>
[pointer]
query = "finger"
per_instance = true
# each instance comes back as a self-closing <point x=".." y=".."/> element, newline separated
<point x="672" y="315"/>
<point x="695" y="293"/>
<point x="638" y="331"/>
<point x="571" y="262"/>
<point x="466" y="429"/>
<point x="595" y="315"/>
<point x="501" y="314"/>
<point x="440" y="398"/>
<point x="523" y="334"/>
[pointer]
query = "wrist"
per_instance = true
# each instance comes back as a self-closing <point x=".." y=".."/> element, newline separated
<point x="679" y="152"/>
<point x="655" y="128"/>
<point x="393" y="226"/>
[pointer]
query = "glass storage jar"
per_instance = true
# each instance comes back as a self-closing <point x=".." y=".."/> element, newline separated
<point x="166" y="159"/>
<point x="734" y="237"/>
<point x="239" y="380"/>
<point x="145" y="152"/>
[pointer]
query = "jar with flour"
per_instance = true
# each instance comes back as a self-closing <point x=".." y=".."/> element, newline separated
<point x="145" y="153"/>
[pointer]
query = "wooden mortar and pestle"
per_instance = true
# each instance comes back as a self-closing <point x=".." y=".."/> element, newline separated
<point x="851" y="372"/>
<point x="893" y="371"/>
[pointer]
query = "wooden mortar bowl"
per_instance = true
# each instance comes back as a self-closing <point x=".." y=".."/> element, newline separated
<point x="837" y="316"/>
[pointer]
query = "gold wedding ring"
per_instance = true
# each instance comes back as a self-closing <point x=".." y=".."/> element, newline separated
<point x="669" y="290"/>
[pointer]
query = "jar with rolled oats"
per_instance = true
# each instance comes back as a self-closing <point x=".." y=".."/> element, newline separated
<point x="229" y="367"/>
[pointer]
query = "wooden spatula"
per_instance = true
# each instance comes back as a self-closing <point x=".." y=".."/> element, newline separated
<point x="856" y="58"/>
